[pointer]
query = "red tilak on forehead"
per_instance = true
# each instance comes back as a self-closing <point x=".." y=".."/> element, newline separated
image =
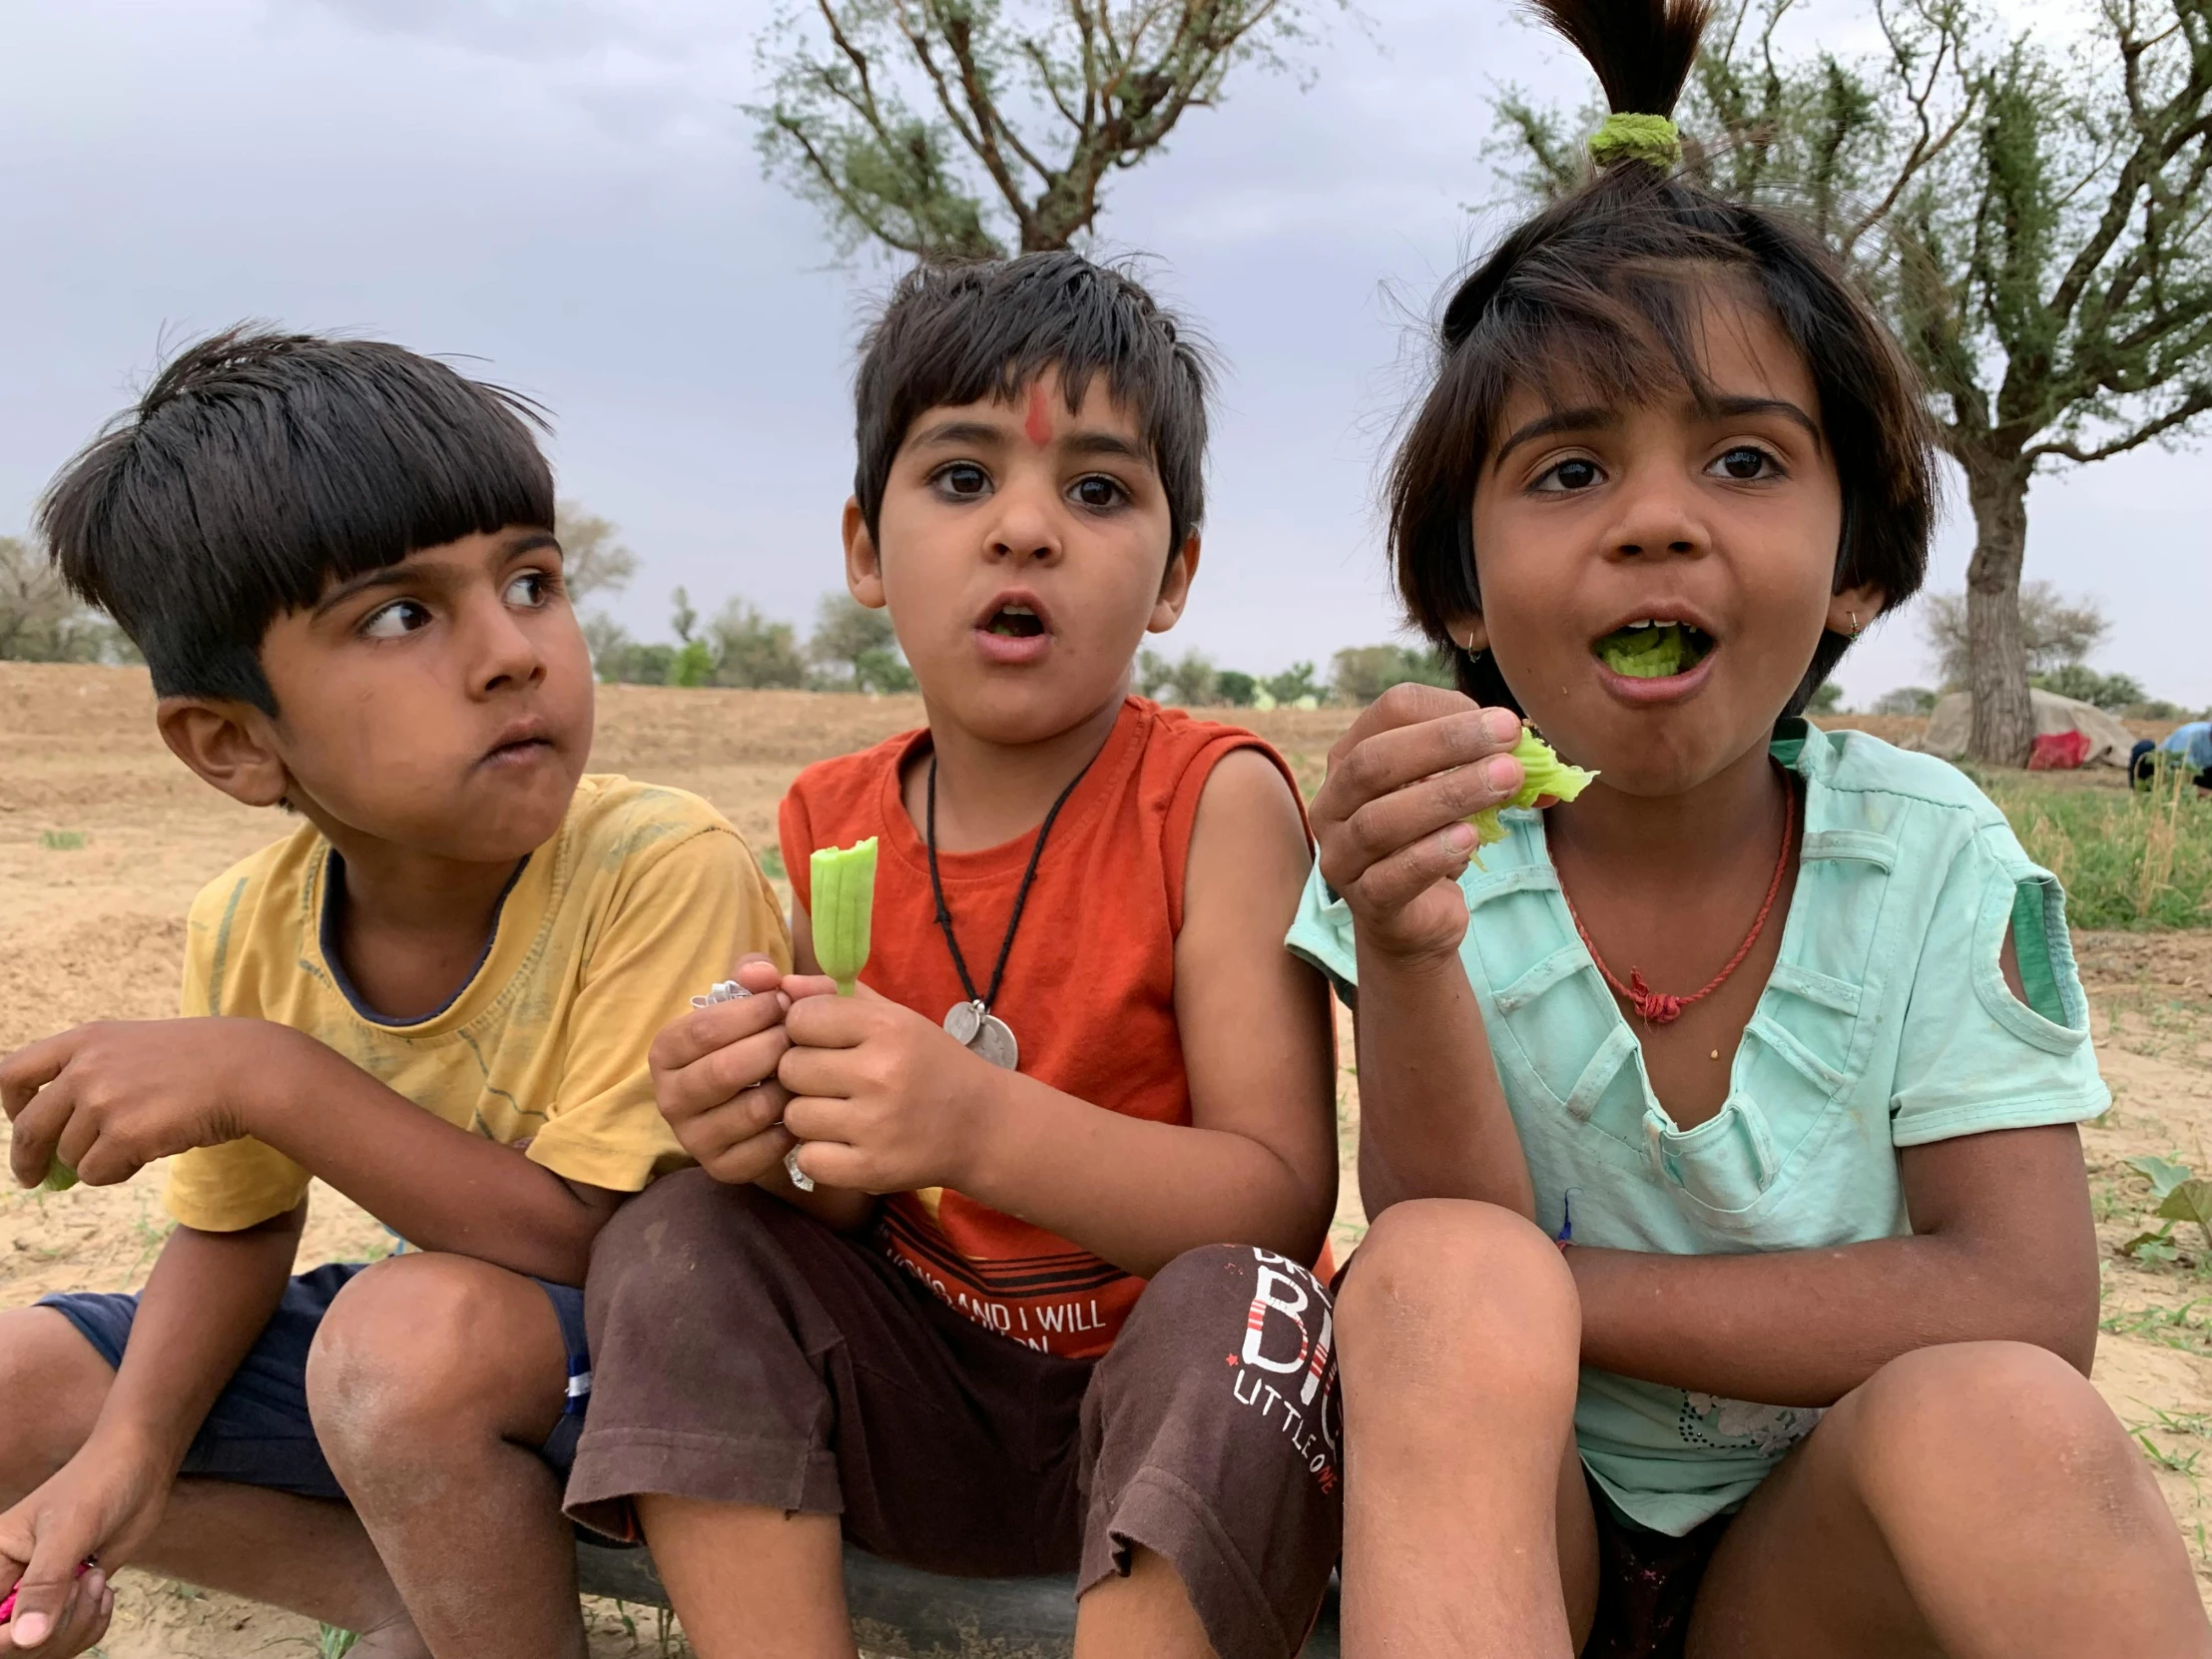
<point x="1039" y="424"/>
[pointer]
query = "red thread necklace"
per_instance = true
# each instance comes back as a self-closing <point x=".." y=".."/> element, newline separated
<point x="1661" y="1007"/>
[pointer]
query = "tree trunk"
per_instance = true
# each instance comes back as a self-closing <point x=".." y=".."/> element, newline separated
<point x="2004" y="717"/>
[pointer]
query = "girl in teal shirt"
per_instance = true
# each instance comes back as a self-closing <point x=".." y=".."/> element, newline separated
<point x="1732" y="1288"/>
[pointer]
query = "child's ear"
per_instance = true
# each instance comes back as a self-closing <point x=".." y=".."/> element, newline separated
<point x="228" y="744"/>
<point x="1852" y="611"/>
<point x="864" y="566"/>
<point x="1175" y="587"/>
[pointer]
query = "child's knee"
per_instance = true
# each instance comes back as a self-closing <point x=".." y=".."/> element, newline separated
<point x="1446" y="1285"/>
<point x="431" y="1345"/>
<point x="1996" y="1417"/>
<point x="54" y="1382"/>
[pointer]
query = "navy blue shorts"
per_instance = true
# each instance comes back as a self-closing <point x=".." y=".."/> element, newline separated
<point x="258" y="1431"/>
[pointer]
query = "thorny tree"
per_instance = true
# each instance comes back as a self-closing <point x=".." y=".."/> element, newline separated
<point x="979" y="127"/>
<point x="2031" y="213"/>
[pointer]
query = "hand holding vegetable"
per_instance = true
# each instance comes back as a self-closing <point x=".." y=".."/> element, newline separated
<point x="1544" y="777"/>
<point x="1410" y="792"/>
<point x="103" y="1101"/>
<point x="713" y="1076"/>
<point x="882" y="1098"/>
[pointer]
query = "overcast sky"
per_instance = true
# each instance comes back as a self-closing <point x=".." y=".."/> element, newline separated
<point x="566" y="192"/>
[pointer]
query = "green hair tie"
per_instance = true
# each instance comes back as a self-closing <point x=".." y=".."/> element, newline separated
<point x="1638" y="138"/>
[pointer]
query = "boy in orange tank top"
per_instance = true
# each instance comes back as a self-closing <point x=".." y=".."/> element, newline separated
<point x="1037" y="1302"/>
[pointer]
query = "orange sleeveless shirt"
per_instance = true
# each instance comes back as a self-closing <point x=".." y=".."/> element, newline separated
<point x="1089" y="989"/>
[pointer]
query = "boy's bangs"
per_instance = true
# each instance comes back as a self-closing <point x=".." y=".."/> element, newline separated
<point x="261" y="471"/>
<point x="956" y="334"/>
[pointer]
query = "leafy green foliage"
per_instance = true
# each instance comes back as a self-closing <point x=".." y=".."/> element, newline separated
<point x="1189" y="683"/>
<point x="753" y="650"/>
<point x="973" y="127"/>
<point x="1236" y="689"/>
<point x="693" y="664"/>
<point x="1294" y="685"/>
<point x="2078" y="681"/>
<point x="856" y="648"/>
<point x="2191" y="1201"/>
<point x="2127" y="859"/>
<point x="1359" y="674"/>
<point x="2163" y="1174"/>
<point x="1905" y="700"/>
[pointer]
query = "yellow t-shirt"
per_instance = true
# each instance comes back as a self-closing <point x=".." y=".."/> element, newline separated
<point x="643" y="900"/>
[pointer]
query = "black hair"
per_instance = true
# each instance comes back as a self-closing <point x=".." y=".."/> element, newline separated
<point x="1603" y="288"/>
<point x="955" y="332"/>
<point x="258" y="468"/>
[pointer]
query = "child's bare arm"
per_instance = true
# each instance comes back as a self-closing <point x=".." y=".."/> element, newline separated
<point x="205" y="1303"/>
<point x="112" y="1098"/>
<point x="888" y="1101"/>
<point x="2002" y="1248"/>
<point x="1391" y="819"/>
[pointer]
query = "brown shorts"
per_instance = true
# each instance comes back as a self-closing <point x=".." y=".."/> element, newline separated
<point x="742" y="1353"/>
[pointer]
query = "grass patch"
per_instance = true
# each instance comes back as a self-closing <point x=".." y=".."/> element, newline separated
<point x="2127" y="859"/>
<point x="62" y="841"/>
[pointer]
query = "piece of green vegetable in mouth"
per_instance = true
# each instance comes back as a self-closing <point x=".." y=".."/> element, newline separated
<point x="1543" y="774"/>
<point x="845" y="903"/>
<point x="1654" y="650"/>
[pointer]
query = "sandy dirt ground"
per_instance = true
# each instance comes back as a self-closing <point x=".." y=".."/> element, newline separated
<point x="104" y="840"/>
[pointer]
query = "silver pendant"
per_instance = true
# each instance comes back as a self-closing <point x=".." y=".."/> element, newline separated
<point x="726" y="991"/>
<point x="983" y="1034"/>
<point x="799" y="1177"/>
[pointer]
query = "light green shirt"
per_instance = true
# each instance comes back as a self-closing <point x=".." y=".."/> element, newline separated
<point x="1886" y="1023"/>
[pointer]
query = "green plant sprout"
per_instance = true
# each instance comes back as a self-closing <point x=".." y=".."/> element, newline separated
<point x="843" y="903"/>
<point x="2163" y="1174"/>
<point x="1543" y="774"/>
<point x="2191" y="1201"/>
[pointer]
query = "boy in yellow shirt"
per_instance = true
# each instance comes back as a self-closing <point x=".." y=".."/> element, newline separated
<point x="436" y="996"/>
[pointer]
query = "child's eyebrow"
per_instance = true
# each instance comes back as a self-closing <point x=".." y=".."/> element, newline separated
<point x="960" y="432"/>
<point x="1732" y="406"/>
<point x="388" y="576"/>
<point x="1105" y="443"/>
<point x="1584" y="420"/>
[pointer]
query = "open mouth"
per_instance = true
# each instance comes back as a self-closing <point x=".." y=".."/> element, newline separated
<point x="1654" y="649"/>
<point x="1015" y="622"/>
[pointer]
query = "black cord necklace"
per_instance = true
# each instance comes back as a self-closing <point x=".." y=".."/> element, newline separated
<point x="972" y="1023"/>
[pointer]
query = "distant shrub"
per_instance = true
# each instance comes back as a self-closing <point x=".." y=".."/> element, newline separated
<point x="1905" y="700"/>
<point x="1361" y="673"/>
<point x="2085" y="685"/>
